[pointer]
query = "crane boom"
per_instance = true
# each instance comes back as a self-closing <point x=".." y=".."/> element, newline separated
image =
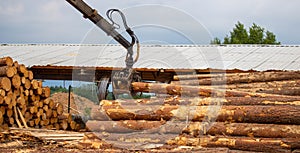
<point x="121" y="80"/>
<point x="98" y="20"/>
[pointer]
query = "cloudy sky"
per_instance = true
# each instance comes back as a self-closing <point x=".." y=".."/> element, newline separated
<point x="155" y="21"/>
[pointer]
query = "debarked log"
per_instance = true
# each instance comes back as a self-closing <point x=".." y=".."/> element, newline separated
<point x="196" y="128"/>
<point x="240" y="143"/>
<point x="118" y="112"/>
<point x="277" y="114"/>
<point x="244" y="129"/>
<point x="193" y="91"/>
<point x="171" y="100"/>
<point x="6" y="61"/>
<point x="7" y="71"/>
<point x="242" y="77"/>
<point x="5" y="83"/>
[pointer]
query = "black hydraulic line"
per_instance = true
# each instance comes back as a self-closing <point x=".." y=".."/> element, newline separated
<point x="69" y="99"/>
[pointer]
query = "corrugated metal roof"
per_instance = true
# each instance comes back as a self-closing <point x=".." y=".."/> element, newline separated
<point x="243" y="57"/>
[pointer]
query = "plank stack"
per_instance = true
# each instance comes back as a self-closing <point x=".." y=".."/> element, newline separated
<point x="24" y="102"/>
<point x="257" y="111"/>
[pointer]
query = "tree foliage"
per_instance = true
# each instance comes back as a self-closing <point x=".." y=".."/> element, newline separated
<point x="255" y="35"/>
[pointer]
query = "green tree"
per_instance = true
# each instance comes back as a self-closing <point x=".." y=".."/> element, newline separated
<point x="239" y="34"/>
<point x="226" y="40"/>
<point x="270" y="39"/>
<point x="256" y="34"/>
<point x="215" y="41"/>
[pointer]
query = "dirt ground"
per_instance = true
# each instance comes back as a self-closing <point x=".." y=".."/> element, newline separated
<point x="78" y="104"/>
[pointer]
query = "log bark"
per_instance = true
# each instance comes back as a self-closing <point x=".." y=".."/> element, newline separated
<point x="5" y="83"/>
<point x="6" y="61"/>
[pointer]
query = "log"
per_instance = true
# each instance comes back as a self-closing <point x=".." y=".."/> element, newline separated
<point x="38" y="91"/>
<point x="237" y="101"/>
<point x="8" y="99"/>
<point x="129" y="126"/>
<point x="16" y="64"/>
<point x="3" y="109"/>
<point x="73" y="125"/>
<point x="40" y="112"/>
<point x="5" y="83"/>
<point x="31" y="123"/>
<point x="22" y="118"/>
<point x="2" y="92"/>
<point x="245" y="77"/>
<point x="28" y="116"/>
<point x="51" y="104"/>
<point x="204" y="76"/>
<point x="22" y="70"/>
<point x="253" y="114"/>
<point x="156" y="102"/>
<point x="6" y="61"/>
<point x="1" y="118"/>
<point x="7" y="71"/>
<point x="65" y="116"/>
<point x="46" y="92"/>
<point x="196" y="128"/>
<point x="30" y="75"/>
<point x="34" y="84"/>
<point x="37" y="121"/>
<point x="21" y="101"/>
<point x="59" y="108"/>
<point x="192" y="91"/>
<point x="278" y="114"/>
<point x="64" y="124"/>
<point x="16" y="81"/>
<point x="27" y="84"/>
<point x="243" y="129"/>
<point x="49" y="113"/>
<point x="53" y="120"/>
<point x="1" y="100"/>
<point x="117" y="112"/>
<point x="240" y="143"/>
<point x="137" y="138"/>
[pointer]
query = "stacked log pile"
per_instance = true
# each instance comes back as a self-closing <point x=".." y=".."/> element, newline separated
<point x="257" y="111"/>
<point x="24" y="102"/>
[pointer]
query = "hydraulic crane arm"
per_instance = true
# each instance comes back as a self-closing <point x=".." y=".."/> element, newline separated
<point x="97" y="19"/>
<point x="121" y="80"/>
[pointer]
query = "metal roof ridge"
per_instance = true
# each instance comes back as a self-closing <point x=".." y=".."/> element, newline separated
<point x="152" y="45"/>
